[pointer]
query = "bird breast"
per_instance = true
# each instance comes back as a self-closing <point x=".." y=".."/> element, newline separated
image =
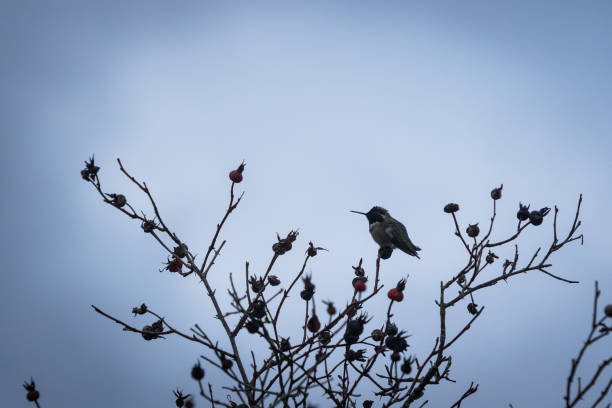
<point x="377" y="230"/>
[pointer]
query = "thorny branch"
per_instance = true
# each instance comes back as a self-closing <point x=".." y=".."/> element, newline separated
<point x="334" y="359"/>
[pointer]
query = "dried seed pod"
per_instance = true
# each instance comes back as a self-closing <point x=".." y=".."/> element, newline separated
<point x="451" y="208"/>
<point x="313" y="325"/>
<point x="496" y="193"/>
<point x="140" y="310"/>
<point x="523" y="212"/>
<point x="118" y="200"/>
<point x="377" y="335"/>
<point x="180" y="251"/>
<point x="407" y="366"/>
<point x="472" y="308"/>
<point x="473" y="230"/>
<point x="331" y="309"/>
<point x="285" y="345"/>
<point x="197" y="372"/>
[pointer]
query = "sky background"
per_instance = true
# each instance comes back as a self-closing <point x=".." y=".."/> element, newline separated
<point x="334" y="106"/>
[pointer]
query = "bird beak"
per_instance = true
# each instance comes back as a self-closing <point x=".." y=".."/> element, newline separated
<point x="358" y="212"/>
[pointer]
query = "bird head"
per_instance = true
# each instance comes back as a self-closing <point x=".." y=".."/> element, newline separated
<point x="376" y="214"/>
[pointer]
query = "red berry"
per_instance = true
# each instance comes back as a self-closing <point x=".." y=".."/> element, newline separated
<point x="236" y="175"/>
<point x="396" y="295"/>
<point x="360" y="286"/>
<point x="175" y="265"/>
<point x="32" y="395"/>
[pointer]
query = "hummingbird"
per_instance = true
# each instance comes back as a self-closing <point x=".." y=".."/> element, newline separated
<point x="389" y="232"/>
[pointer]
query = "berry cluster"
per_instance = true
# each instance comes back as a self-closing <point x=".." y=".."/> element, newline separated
<point x="150" y="332"/>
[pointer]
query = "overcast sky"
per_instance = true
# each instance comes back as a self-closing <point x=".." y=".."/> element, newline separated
<point x="334" y="106"/>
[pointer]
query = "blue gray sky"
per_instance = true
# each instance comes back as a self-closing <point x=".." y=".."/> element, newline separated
<point x="334" y="106"/>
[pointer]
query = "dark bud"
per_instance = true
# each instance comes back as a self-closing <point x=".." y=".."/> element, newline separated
<point x="273" y="280"/>
<point x="258" y="309"/>
<point x="284" y="244"/>
<point x="158" y="326"/>
<point x="180" y="398"/>
<point x="281" y="249"/>
<point x="149" y="226"/>
<point x="385" y="252"/>
<point x="331" y="309"/>
<point x="451" y="208"/>
<point x="407" y="366"/>
<point x="496" y="193"/>
<point x="140" y="310"/>
<point x="148" y="333"/>
<point x="397" y="342"/>
<point x="252" y="326"/>
<point x="307" y="294"/>
<point x="325" y="337"/>
<point x="180" y="251"/>
<point x="90" y="171"/>
<point x="257" y="284"/>
<point x="308" y="282"/>
<point x="355" y="355"/>
<point x="472" y="308"/>
<point x="391" y="329"/>
<point x="461" y="278"/>
<point x="395" y="356"/>
<point x="608" y="310"/>
<point x="118" y="200"/>
<point x="536" y="217"/>
<point x="359" y="271"/>
<point x="377" y="335"/>
<point x="491" y="257"/>
<point x="355" y="326"/>
<point x="368" y="403"/>
<point x="226" y="364"/>
<point x="197" y="372"/>
<point x="285" y="345"/>
<point x="312" y="250"/>
<point x="523" y="212"/>
<point x="473" y="230"/>
<point x="189" y="403"/>
<point x="313" y="325"/>
<point x="309" y="288"/>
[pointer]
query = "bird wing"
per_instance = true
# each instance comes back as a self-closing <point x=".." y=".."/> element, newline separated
<point x="399" y="237"/>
